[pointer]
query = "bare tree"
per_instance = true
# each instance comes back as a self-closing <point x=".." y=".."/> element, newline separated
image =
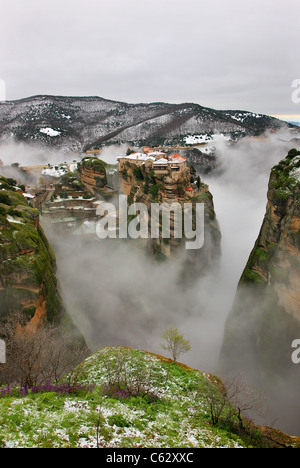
<point x="233" y="399"/>
<point x="216" y="398"/>
<point x="39" y="357"/>
<point x="175" y="343"/>
<point x="246" y="400"/>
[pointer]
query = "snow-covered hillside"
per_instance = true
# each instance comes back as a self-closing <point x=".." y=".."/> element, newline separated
<point x="80" y="123"/>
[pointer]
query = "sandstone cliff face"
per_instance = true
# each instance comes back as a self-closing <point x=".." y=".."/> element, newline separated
<point x="92" y="173"/>
<point x="98" y="178"/>
<point x="28" y="285"/>
<point x="265" y="318"/>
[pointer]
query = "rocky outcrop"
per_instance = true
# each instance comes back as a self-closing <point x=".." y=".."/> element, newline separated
<point x="28" y="283"/>
<point x="92" y="173"/>
<point x="265" y="318"/>
<point x="93" y="176"/>
<point x="146" y="186"/>
<point x="204" y="162"/>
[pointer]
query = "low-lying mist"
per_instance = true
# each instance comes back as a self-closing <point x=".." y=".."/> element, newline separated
<point x="118" y="295"/>
<point x="27" y="154"/>
<point x="239" y="187"/>
<point x="16" y="156"/>
<point x="240" y="196"/>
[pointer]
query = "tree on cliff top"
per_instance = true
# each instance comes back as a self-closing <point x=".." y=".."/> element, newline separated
<point x="175" y="343"/>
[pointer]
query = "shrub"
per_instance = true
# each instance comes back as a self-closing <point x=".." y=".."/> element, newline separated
<point x="122" y="383"/>
<point x="293" y="153"/>
<point x="15" y="213"/>
<point x="154" y="191"/>
<point x="138" y="173"/>
<point x="11" y="182"/>
<point x="124" y="174"/>
<point x="118" y="420"/>
<point x="4" y="198"/>
<point x="18" y="390"/>
<point x="122" y="391"/>
<point x="233" y="403"/>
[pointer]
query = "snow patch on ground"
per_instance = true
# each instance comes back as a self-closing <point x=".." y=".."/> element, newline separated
<point x="241" y="116"/>
<point x="10" y="219"/>
<point x="50" y="132"/>
<point x="53" y="172"/>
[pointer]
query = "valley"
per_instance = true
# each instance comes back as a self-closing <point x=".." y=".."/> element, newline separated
<point x="124" y="291"/>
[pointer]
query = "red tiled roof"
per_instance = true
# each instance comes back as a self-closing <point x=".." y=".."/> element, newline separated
<point x="177" y="156"/>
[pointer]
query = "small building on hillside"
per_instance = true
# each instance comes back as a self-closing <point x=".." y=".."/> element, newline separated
<point x="135" y="158"/>
<point x="156" y="160"/>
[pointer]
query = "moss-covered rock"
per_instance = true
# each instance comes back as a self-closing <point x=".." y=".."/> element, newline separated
<point x="27" y="262"/>
<point x="92" y="173"/>
<point x="265" y="318"/>
<point x="141" y="184"/>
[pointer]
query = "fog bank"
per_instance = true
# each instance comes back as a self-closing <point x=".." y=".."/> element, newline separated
<point x="118" y="295"/>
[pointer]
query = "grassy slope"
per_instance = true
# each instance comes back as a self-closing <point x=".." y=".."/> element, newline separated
<point x="179" y="416"/>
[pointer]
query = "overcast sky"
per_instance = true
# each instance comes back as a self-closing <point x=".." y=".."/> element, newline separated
<point x="225" y="54"/>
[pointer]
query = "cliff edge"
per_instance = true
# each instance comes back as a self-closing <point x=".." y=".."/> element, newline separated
<point x="28" y="283"/>
<point x="265" y="318"/>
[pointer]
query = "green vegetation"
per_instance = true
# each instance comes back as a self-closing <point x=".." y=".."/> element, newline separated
<point x="146" y="184"/>
<point x="139" y="400"/>
<point x="125" y="174"/>
<point x="293" y="153"/>
<point x="97" y="167"/>
<point x="72" y="180"/>
<point x="91" y="162"/>
<point x="284" y="180"/>
<point x="253" y="276"/>
<point x="4" y="199"/>
<point x="265" y="306"/>
<point x="154" y="192"/>
<point x="175" y="343"/>
<point x="27" y="267"/>
<point x="283" y="193"/>
<point x="138" y="173"/>
<point x="286" y="175"/>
